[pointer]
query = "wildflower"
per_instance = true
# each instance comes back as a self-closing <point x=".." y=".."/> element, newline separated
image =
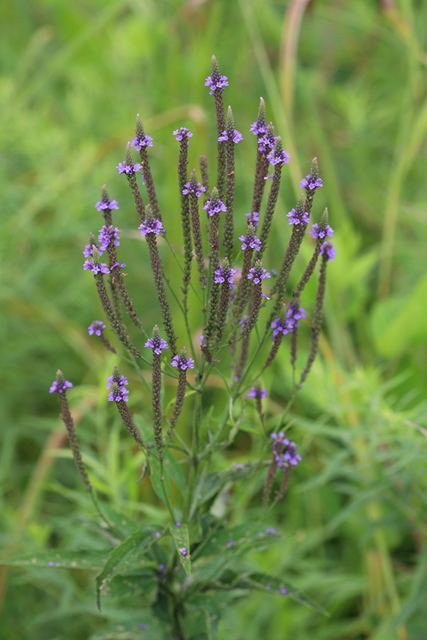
<point x="285" y="451"/>
<point x="194" y="187"/>
<point x="182" y="133"/>
<point x="310" y="182"/>
<point x="223" y="274"/>
<point x="250" y="240"/>
<point x="105" y="203"/>
<point x="239" y="467"/>
<point x="280" y="326"/>
<point x="327" y="249"/>
<point x="237" y="136"/>
<point x="88" y="250"/>
<point x="129" y="169"/>
<point x="259" y="127"/>
<point x="256" y="392"/>
<point x="117" y="383"/>
<point x="230" y="543"/>
<point x="101" y="267"/>
<point x="151" y="225"/>
<point x="318" y="231"/>
<point x="96" y="327"/>
<point x="140" y="140"/>
<point x="214" y="204"/>
<point x="278" y="156"/>
<point x="183" y="552"/>
<point x="295" y="217"/>
<point x="108" y="235"/>
<point x="182" y="362"/>
<point x="271" y="531"/>
<point x="253" y="218"/>
<point x="216" y="81"/>
<point x="267" y="142"/>
<point x="177" y="524"/>
<point x="282" y="592"/>
<point x="59" y="385"/>
<point x="258" y="274"/>
<point x="156" y="344"/>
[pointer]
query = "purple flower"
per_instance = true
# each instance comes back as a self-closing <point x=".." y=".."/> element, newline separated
<point x="182" y="362"/>
<point x="157" y="344"/>
<point x="220" y="276"/>
<point x="329" y="250"/>
<point x="88" y="250"/>
<point x="230" y="543"/>
<point x="256" y="392"/>
<point x="280" y="326"/>
<point x="321" y="232"/>
<point x="96" y="327"/>
<point x="253" y="218"/>
<point x="106" y="203"/>
<point x="258" y="128"/>
<point x="285" y="451"/>
<point x="310" y="183"/>
<point x="183" y="552"/>
<point x="151" y="225"/>
<point x="295" y="218"/>
<point x="295" y="313"/>
<point x="243" y="322"/>
<point x="218" y="82"/>
<point x="239" y="467"/>
<point x="267" y="142"/>
<point x="144" y="627"/>
<point x="177" y="524"/>
<point x="214" y="205"/>
<point x="141" y="140"/>
<point x="282" y="592"/>
<point x="237" y="136"/>
<point x="59" y="386"/>
<point x="182" y="133"/>
<point x="117" y="265"/>
<point x="196" y="188"/>
<point x="129" y="169"/>
<point x="250" y="240"/>
<point x="278" y="156"/>
<point x="96" y="268"/>
<point x="271" y="531"/>
<point x="202" y="341"/>
<point x="108" y="235"/>
<point x="258" y="274"/>
<point x="268" y="587"/>
<point x="117" y="383"/>
<point x="158" y="534"/>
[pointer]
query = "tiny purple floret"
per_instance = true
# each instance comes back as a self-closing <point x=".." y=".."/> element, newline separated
<point x="250" y="241"/>
<point x="321" y="232"/>
<point x="294" y="218"/>
<point x="310" y="184"/>
<point x="183" y="363"/>
<point x="151" y="225"/>
<point x="156" y="345"/>
<point x="237" y="136"/>
<point x="182" y="133"/>
<point x="278" y="157"/>
<point x="253" y="218"/>
<point x="256" y="392"/>
<point x="96" y="268"/>
<point x="214" y="206"/>
<point x="183" y="552"/>
<point x="129" y="169"/>
<point x="327" y="249"/>
<point x="96" y="327"/>
<point x="219" y="83"/>
<point x="258" y="274"/>
<point x="196" y="188"/>
<point x="59" y="387"/>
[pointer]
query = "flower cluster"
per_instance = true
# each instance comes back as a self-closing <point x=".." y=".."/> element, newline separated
<point x="267" y="142"/>
<point x="296" y="217"/>
<point x="182" y="134"/>
<point x="250" y="240"/>
<point x="105" y="203"/>
<point x="196" y="188"/>
<point x="256" y="392"/>
<point x="278" y="156"/>
<point x="141" y="140"/>
<point x="182" y="362"/>
<point x="214" y="204"/>
<point x="216" y="81"/>
<point x="59" y="386"/>
<point x="129" y="169"/>
<point x="99" y="267"/>
<point x="88" y="250"/>
<point x="321" y="232"/>
<point x="222" y="274"/>
<point x="237" y="136"/>
<point x="253" y="218"/>
<point x="285" y="451"/>
<point x="108" y="235"/>
<point x="96" y="327"/>
<point x="117" y="383"/>
<point x="327" y="249"/>
<point x="151" y="225"/>
<point x="310" y="183"/>
<point x="258" y="274"/>
<point x="156" y="344"/>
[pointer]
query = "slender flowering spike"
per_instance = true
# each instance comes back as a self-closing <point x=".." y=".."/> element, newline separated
<point x="253" y="219"/>
<point x="182" y="134"/>
<point x="267" y="142"/>
<point x="272" y="197"/>
<point x="327" y="249"/>
<point x="182" y="362"/>
<point x="268" y="485"/>
<point x="88" y="250"/>
<point x="216" y="82"/>
<point x="144" y="142"/>
<point x="93" y="264"/>
<point x="297" y="215"/>
<point x="284" y="451"/>
<point x="259" y="127"/>
<point x="250" y="243"/>
<point x="311" y="183"/>
<point x="140" y="140"/>
<point x="156" y="343"/>
<point x="194" y="189"/>
<point x="224" y="276"/>
<point x="59" y="386"/>
<point x="257" y="275"/>
<point x="96" y="327"/>
<point x="157" y="269"/>
<point x="230" y="137"/>
<point x="293" y="314"/>
<point x="256" y="392"/>
<point x="317" y="316"/>
<point x="214" y="204"/>
<point x="120" y="395"/>
<point x="203" y="164"/>
<point x="128" y="166"/>
<point x="318" y="232"/>
<point x="278" y="156"/>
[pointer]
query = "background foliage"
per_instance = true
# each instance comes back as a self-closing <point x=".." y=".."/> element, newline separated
<point x="350" y="87"/>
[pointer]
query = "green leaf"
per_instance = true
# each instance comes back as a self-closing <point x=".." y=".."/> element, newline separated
<point x="182" y="541"/>
<point x="83" y="559"/>
<point x="243" y="537"/>
<point x="159" y="487"/>
<point x="124" y="586"/>
<point x="124" y="555"/>
<point x="144" y="628"/>
<point x="261" y="582"/>
<point x="174" y="470"/>
<point x="124" y="525"/>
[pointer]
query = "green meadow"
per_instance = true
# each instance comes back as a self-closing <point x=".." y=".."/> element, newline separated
<point x="343" y="81"/>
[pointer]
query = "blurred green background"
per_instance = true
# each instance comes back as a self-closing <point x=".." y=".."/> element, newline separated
<point x="345" y="82"/>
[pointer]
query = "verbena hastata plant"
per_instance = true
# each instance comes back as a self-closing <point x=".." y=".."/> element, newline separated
<point x="186" y="572"/>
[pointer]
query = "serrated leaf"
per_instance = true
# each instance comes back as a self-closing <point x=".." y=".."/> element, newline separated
<point x="123" y="556"/>
<point x="247" y="537"/>
<point x="270" y="584"/>
<point x="182" y="541"/>
<point x="79" y="559"/>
